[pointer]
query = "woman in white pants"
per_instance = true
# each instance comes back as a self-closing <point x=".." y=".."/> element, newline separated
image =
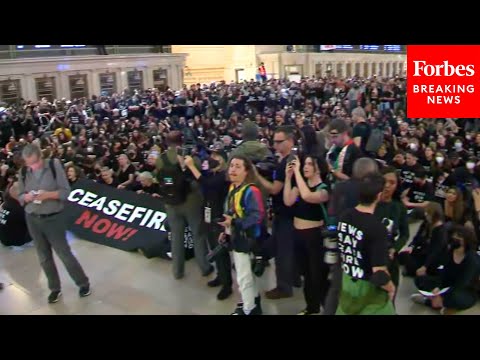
<point x="243" y="223"/>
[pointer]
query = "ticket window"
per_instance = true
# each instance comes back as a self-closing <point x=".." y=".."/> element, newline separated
<point x="349" y="70"/>
<point x="294" y="72"/>
<point x="108" y="84"/>
<point x="78" y="86"/>
<point x="10" y="91"/>
<point x="46" y="88"/>
<point x="135" y="80"/>
<point x="318" y="71"/>
<point x="358" y="69"/>
<point x="160" y="79"/>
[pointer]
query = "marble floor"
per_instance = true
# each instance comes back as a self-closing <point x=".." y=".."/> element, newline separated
<point x="129" y="284"/>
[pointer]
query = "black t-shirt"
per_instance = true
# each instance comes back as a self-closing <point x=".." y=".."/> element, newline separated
<point x="353" y="153"/>
<point x="407" y="174"/>
<point x="421" y="193"/>
<point x="123" y="175"/>
<point x="363" y="131"/>
<point x="427" y="164"/>
<point x="363" y="243"/>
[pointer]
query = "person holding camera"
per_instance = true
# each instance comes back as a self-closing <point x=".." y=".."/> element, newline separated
<point x="308" y="200"/>
<point x="243" y="223"/>
<point x="183" y="204"/>
<point x="215" y="188"/>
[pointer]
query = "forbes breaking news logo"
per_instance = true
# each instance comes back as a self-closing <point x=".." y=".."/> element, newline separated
<point x="441" y="81"/>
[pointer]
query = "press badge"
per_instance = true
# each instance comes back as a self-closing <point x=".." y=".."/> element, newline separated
<point x="208" y="215"/>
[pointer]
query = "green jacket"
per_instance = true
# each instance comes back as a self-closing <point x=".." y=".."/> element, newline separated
<point x="254" y="150"/>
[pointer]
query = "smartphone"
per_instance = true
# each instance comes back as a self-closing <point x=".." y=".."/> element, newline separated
<point x="292" y="155"/>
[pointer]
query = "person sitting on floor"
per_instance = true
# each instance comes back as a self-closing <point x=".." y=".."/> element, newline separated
<point x="428" y="248"/>
<point x="460" y="276"/>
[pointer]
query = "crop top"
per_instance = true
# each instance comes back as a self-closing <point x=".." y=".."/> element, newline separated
<point x="307" y="211"/>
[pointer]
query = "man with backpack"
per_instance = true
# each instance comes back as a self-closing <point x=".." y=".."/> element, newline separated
<point x="43" y="190"/>
<point x="184" y="205"/>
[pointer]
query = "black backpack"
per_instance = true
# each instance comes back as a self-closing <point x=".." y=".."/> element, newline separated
<point x="173" y="181"/>
<point x="51" y="163"/>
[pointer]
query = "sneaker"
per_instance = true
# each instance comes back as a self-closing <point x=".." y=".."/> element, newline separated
<point x="54" y="297"/>
<point x="214" y="283"/>
<point x="257" y="310"/>
<point x="306" y="312"/>
<point x="224" y="293"/>
<point x="84" y="291"/>
<point x="257" y="302"/>
<point x="418" y="299"/>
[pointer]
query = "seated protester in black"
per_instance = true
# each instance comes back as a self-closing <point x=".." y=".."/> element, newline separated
<point x="367" y="288"/>
<point x="454" y="207"/>
<point x="468" y="176"/>
<point x="460" y="276"/>
<point x="456" y="160"/>
<point x="417" y="197"/>
<point x="459" y="149"/>
<point x="107" y="177"/>
<point x="476" y="146"/>
<point x="393" y="214"/>
<point x="442" y="177"/>
<point x="428" y="248"/>
<point x="146" y="185"/>
<point x="426" y="161"/>
<point x="398" y="161"/>
<point x="308" y="198"/>
<point x="407" y="173"/>
<point x="215" y="186"/>
<point x="13" y="227"/>
<point x="383" y="156"/>
<point x="73" y="174"/>
<point x="126" y="172"/>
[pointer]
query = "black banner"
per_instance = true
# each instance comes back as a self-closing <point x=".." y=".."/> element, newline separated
<point x="120" y="219"/>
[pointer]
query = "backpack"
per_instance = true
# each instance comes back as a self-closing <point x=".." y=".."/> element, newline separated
<point x="375" y="140"/>
<point x="51" y="163"/>
<point x="174" y="185"/>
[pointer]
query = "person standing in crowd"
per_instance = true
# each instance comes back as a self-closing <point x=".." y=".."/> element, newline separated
<point x="215" y="189"/>
<point x="263" y="72"/>
<point x="393" y="215"/>
<point x="308" y="199"/>
<point x="361" y="130"/>
<point x="345" y="197"/>
<point x="460" y="276"/>
<point x="282" y="229"/>
<point x="184" y="206"/>
<point x="243" y="224"/>
<point x="367" y="288"/>
<point x="43" y="189"/>
<point x="343" y="152"/>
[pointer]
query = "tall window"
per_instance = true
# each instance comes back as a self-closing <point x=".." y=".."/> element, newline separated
<point x="10" y="91"/>
<point x="135" y="80"/>
<point x="108" y="84"/>
<point x="46" y="88"/>
<point x="78" y="86"/>
<point x="160" y="79"/>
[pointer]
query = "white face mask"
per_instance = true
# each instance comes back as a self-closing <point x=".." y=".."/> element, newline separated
<point x="468" y="137"/>
<point x="414" y="147"/>
<point x="470" y="165"/>
<point x="439" y="159"/>
<point x="458" y="145"/>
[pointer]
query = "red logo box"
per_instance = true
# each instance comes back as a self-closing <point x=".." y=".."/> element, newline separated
<point x="443" y="81"/>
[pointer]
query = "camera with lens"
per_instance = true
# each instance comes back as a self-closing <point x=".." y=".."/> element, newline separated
<point x="330" y="243"/>
<point x="266" y="167"/>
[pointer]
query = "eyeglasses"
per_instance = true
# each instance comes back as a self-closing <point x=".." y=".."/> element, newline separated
<point x="334" y="134"/>
<point x="279" y="141"/>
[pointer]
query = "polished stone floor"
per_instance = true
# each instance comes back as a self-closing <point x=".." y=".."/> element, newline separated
<point x="128" y="283"/>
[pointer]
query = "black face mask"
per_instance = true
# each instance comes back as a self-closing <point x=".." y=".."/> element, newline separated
<point x="455" y="244"/>
<point x="212" y="163"/>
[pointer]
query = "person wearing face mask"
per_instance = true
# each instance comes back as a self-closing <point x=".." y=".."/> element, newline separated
<point x="468" y="176"/>
<point x="459" y="150"/>
<point x="215" y="189"/>
<point x="460" y="276"/>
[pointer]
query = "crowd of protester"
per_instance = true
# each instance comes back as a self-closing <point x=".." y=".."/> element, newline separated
<point x="267" y="159"/>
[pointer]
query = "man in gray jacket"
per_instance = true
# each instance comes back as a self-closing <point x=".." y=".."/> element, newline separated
<point x="43" y="190"/>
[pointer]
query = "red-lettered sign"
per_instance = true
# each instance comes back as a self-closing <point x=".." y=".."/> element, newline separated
<point x="443" y="81"/>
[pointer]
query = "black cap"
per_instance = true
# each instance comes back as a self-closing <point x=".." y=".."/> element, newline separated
<point x="420" y="173"/>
